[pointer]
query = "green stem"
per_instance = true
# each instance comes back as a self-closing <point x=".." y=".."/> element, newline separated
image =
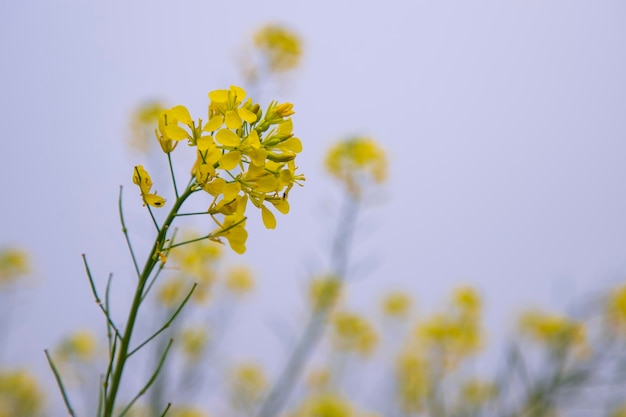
<point x="151" y="262"/>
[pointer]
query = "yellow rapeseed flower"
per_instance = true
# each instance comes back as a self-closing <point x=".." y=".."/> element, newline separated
<point x="142" y="122"/>
<point x="248" y="384"/>
<point x="14" y="263"/>
<point x="20" y="394"/>
<point x="396" y="304"/>
<point x="143" y="180"/>
<point x="194" y="341"/>
<point x="280" y="47"/>
<point x="353" y="333"/>
<point x="324" y="292"/>
<point x="239" y="280"/>
<point x="80" y="345"/>
<point x="412" y="382"/>
<point x="325" y="405"/>
<point x="357" y="162"/>
<point x="553" y="330"/>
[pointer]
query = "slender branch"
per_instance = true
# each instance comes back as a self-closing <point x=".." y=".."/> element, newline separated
<point x="167" y="324"/>
<point x="167" y="408"/>
<point x="197" y="213"/>
<point x="125" y="231"/>
<point x="151" y="262"/>
<point x="153" y="218"/>
<point x="110" y="323"/>
<point x="57" y="376"/>
<point x="169" y="160"/>
<point x="150" y="381"/>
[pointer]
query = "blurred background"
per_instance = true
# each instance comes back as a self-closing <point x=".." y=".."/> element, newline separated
<point x="503" y="124"/>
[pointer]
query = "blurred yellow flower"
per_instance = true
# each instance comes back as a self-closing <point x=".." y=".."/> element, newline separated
<point x="616" y="308"/>
<point x="324" y="292"/>
<point x="170" y="293"/>
<point x="248" y="385"/>
<point x="194" y="341"/>
<point x="412" y="382"/>
<point x="476" y="392"/>
<point x="325" y="405"/>
<point x="142" y="122"/>
<point x="80" y="345"/>
<point x="14" y="263"/>
<point x="553" y="330"/>
<point x="318" y="379"/>
<point x="280" y="47"/>
<point x="239" y="280"/>
<point x="357" y="162"/>
<point x="353" y="333"/>
<point x="396" y="304"/>
<point x="185" y="411"/>
<point x="20" y="394"/>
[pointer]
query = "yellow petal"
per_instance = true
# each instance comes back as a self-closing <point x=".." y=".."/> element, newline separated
<point x="182" y="114"/>
<point x="154" y="200"/>
<point x="268" y="218"/>
<point x="285" y="127"/>
<point x="215" y="187"/>
<point x="292" y="144"/>
<point x="267" y="184"/>
<point x="246" y="115"/>
<point x="204" y="143"/>
<point x="239" y="92"/>
<point x="253" y="140"/>
<point x="214" y="123"/>
<point x="175" y="132"/>
<point x="258" y="156"/>
<point x="232" y="119"/>
<point x="230" y="160"/>
<point x="227" y="138"/>
<point x="219" y="96"/>
<point x="231" y="190"/>
<point x="281" y="205"/>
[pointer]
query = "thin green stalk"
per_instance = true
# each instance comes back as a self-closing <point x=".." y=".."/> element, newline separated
<point x="167" y="323"/>
<point x="153" y="218"/>
<point x="169" y="160"/>
<point x="150" y="381"/>
<point x="167" y="408"/>
<point x="125" y="231"/>
<point x="110" y="323"/>
<point x="151" y="262"/>
<point x="57" y="376"/>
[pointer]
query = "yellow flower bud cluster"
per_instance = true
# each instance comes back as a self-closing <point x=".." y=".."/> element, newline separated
<point x="327" y="405"/>
<point x="80" y="345"/>
<point x="242" y="155"/>
<point x="357" y="162"/>
<point x="142" y="122"/>
<point x="281" y="48"/>
<point x="396" y="304"/>
<point x="248" y="385"/>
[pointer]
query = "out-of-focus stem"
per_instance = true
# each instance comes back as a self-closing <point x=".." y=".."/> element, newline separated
<point x="314" y="328"/>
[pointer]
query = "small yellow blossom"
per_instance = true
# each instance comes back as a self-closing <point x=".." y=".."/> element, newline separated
<point x="412" y="382"/>
<point x="14" y="263"/>
<point x="353" y="333"/>
<point x="194" y="341"/>
<point x="239" y="280"/>
<point x="615" y="309"/>
<point x="476" y="392"/>
<point x="318" y="379"/>
<point x="281" y="47"/>
<point x="396" y="304"/>
<point x="80" y="345"/>
<point x="356" y="162"/>
<point x="324" y="292"/>
<point x="325" y="405"/>
<point x="248" y="384"/>
<point x="20" y="394"/>
<point x="170" y="293"/>
<point x="142" y="122"/>
<point x="553" y="330"/>
<point x="185" y="411"/>
<point x="143" y="180"/>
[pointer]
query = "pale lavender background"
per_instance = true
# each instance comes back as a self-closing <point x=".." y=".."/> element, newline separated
<point x="504" y="122"/>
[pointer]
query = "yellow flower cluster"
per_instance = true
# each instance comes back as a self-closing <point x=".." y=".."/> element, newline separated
<point x="13" y="264"/>
<point x="242" y="154"/>
<point x="356" y="162"/>
<point x="353" y="333"/>
<point x="239" y="280"/>
<point x="616" y="309"/>
<point x="412" y="381"/>
<point x="325" y="405"/>
<point x="280" y="47"/>
<point x="20" y="394"/>
<point x="194" y="341"/>
<point x="456" y="333"/>
<point x="142" y="124"/>
<point x="555" y="331"/>
<point x="248" y="385"/>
